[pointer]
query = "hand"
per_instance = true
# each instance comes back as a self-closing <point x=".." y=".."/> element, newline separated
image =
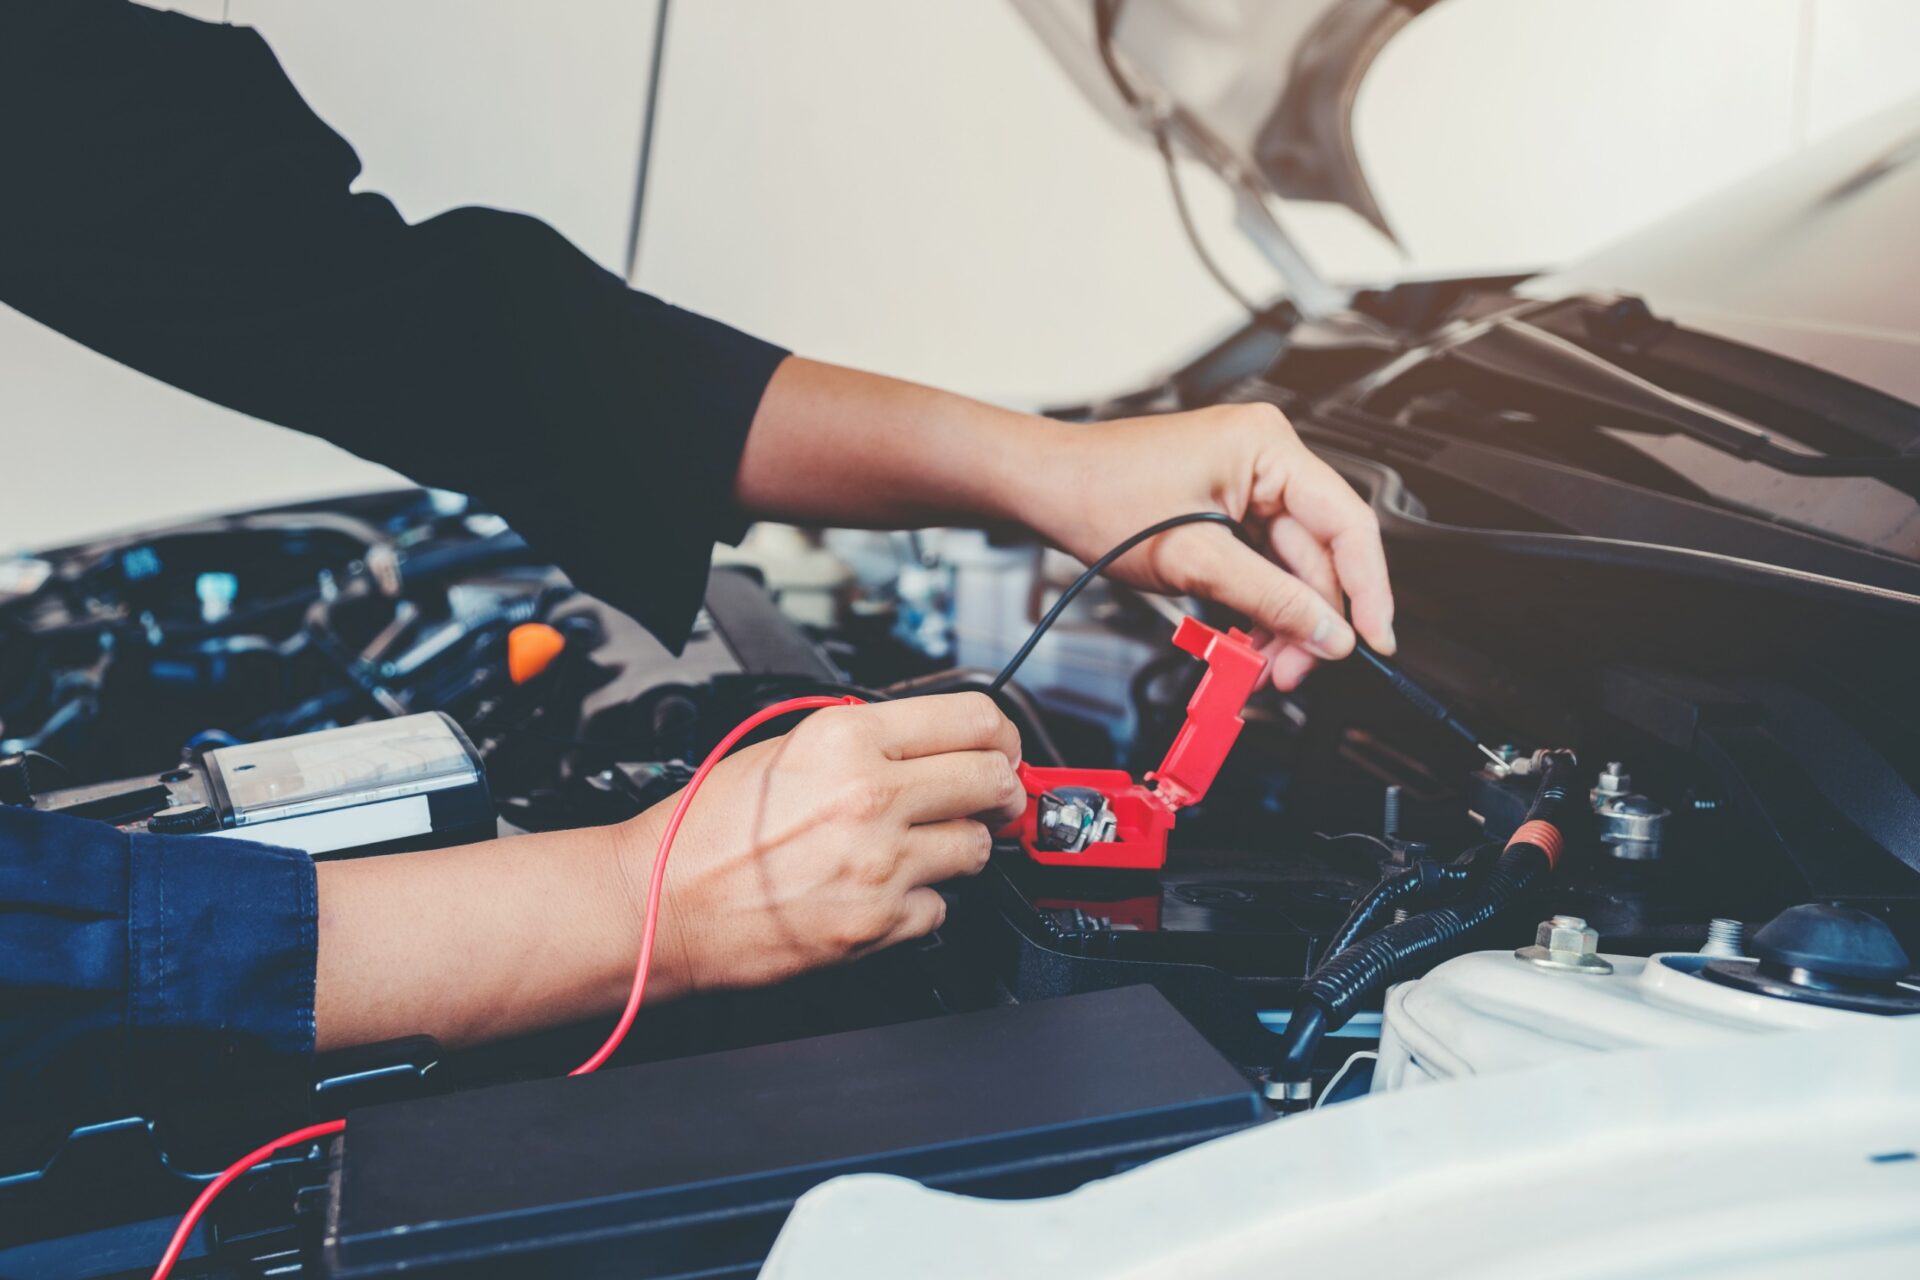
<point x="833" y="445"/>
<point x="820" y="846"/>
<point x="808" y="849"/>
<point x="1103" y="482"/>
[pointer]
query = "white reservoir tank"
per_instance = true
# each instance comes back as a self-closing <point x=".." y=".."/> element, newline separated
<point x="1493" y="1011"/>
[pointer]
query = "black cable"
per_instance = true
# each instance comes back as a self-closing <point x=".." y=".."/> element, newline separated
<point x="1395" y="890"/>
<point x="1014" y="701"/>
<point x="1149" y="715"/>
<point x="1416" y="693"/>
<point x="793" y="686"/>
<point x="1094" y="570"/>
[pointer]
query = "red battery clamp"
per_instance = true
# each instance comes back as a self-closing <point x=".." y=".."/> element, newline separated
<point x="1102" y="817"/>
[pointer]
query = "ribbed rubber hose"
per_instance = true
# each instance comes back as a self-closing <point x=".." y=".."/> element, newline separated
<point x="1336" y="988"/>
<point x="1396" y="890"/>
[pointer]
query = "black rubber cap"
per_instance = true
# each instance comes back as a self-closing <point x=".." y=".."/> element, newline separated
<point x="16" y="783"/>
<point x="180" y="819"/>
<point x="1832" y="942"/>
<point x="25" y="774"/>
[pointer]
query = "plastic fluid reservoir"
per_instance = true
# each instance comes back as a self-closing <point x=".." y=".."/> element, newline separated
<point x="1493" y="1011"/>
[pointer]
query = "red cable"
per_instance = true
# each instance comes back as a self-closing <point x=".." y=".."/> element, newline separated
<point x="212" y="1190"/>
<point x="649" y="926"/>
<point x="811" y="703"/>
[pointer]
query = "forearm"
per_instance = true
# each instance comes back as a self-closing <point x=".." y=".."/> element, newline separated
<point x="837" y="446"/>
<point x="480" y="942"/>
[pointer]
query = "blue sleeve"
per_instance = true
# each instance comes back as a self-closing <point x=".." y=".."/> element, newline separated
<point x="130" y="964"/>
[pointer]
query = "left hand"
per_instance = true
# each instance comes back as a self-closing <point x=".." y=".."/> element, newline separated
<point x="1106" y="481"/>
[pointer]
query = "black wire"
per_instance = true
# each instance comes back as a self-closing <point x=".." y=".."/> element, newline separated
<point x="1094" y="570"/>
<point x="1024" y="711"/>
<point x="1416" y="693"/>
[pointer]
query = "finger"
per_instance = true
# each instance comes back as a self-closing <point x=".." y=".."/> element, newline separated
<point x="959" y="784"/>
<point x="1327" y="507"/>
<point x="1287" y="663"/>
<point x="1225" y="569"/>
<point x="929" y="726"/>
<point x="921" y="912"/>
<point x="1306" y="558"/>
<point x="941" y="851"/>
<point x="1291" y="666"/>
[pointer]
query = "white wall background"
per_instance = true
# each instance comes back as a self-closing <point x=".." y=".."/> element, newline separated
<point x="911" y="186"/>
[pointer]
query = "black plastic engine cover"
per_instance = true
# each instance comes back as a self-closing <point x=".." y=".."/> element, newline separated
<point x="690" y="1166"/>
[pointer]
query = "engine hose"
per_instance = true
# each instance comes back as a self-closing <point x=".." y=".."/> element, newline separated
<point x="1404" y="885"/>
<point x="1336" y="987"/>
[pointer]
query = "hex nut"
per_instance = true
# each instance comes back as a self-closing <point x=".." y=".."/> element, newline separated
<point x="1568" y="935"/>
<point x="1567" y="944"/>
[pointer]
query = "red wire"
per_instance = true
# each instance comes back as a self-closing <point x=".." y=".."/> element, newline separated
<point x="649" y="927"/>
<point x="212" y="1190"/>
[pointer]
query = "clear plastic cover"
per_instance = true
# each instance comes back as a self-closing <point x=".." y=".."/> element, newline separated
<point x="339" y="768"/>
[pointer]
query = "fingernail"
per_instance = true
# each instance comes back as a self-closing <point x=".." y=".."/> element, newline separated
<point x="1392" y="641"/>
<point x="1331" y="638"/>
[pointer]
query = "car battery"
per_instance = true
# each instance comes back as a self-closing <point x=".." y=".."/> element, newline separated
<point x="688" y="1167"/>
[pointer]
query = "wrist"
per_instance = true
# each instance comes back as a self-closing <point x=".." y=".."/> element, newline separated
<point x="627" y="853"/>
<point x="1044" y="481"/>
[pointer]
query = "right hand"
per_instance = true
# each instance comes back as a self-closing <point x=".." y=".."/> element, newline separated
<point x="820" y="846"/>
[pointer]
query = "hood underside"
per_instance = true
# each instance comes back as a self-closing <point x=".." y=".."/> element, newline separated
<point x="1262" y="90"/>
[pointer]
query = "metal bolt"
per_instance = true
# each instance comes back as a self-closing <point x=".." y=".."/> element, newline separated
<point x="1072" y="818"/>
<point x="1399" y="915"/>
<point x="1726" y="939"/>
<point x="1567" y="944"/>
<point x="1614" y="782"/>
<point x="1390" y="812"/>
<point x="1286" y="1093"/>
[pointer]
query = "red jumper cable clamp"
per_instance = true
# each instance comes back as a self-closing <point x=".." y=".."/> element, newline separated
<point x="1102" y="817"/>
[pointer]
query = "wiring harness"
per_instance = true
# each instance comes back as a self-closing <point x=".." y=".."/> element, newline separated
<point x="1335" y="989"/>
<point x="1397" y="891"/>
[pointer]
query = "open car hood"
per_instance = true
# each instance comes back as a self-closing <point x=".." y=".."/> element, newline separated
<point x="1261" y="90"/>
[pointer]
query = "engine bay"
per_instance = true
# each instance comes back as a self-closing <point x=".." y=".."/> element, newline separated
<point x="142" y="678"/>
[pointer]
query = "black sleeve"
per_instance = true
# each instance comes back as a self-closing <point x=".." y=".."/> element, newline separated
<point x="168" y="199"/>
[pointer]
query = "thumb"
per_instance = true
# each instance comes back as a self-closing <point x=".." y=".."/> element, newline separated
<point x="1229" y="572"/>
